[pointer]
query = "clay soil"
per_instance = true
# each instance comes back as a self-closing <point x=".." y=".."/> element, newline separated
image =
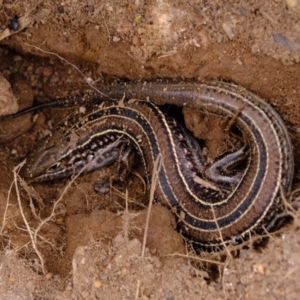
<point x="61" y="240"/>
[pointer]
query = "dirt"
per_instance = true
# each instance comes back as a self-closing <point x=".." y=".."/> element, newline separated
<point x="92" y="246"/>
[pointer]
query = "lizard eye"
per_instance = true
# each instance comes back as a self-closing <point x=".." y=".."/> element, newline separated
<point x="54" y="167"/>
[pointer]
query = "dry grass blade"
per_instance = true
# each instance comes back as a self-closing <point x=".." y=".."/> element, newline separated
<point x="29" y="230"/>
<point x="220" y="233"/>
<point x="196" y="258"/>
<point x="87" y="79"/>
<point x="156" y="169"/>
<point x="6" y="208"/>
<point x="34" y="232"/>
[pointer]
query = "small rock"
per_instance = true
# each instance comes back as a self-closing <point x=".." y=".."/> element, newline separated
<point x="8" y="101"/>
<point x="259" y="268"/>
<point x="97" y="284"/>
<point x="227" y="28"/>
<point x="48" y="276"/>
<point x="54" y="79"/>
<point x="116" y="39"/>
<point x="13" y="152"/>
<point x="17" y="58"/>
<point x="48" y="71"/>
<point x="292" y="3"/>
<point x="85" y="294"/>
<point x="30" y="286"/>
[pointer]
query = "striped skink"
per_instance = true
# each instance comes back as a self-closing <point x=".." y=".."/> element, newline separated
<point x="221" y="208"/>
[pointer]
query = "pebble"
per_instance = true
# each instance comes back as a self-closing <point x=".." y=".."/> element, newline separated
<point x="228" y="30"/>
<point x="259" y="268"/>
<point x="48" y="71"/>
<point x="97" y="284"/>
<point x="54" y="79"/>
<point x="13" y="152"/>
<point x="286" y="42"/>
<point x="40" y="119"/>
<point x="148" y="267"/>
<point x="104" y="277"/>
<point x="116" y="39"/>
<point x="85" y="294"/>
<point x="292" y="3"/>
<point x="48" y="276"/>
<point x="82" y="110"/>
<point x="30" y="285"/>
<point x="8" y="101"/>
<point x="17" y="58"/>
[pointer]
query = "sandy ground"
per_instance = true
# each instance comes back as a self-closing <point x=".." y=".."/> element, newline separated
<point x="91" y="247"/>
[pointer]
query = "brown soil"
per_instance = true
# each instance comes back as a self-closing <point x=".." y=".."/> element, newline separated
<point x="91" y="247"/>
